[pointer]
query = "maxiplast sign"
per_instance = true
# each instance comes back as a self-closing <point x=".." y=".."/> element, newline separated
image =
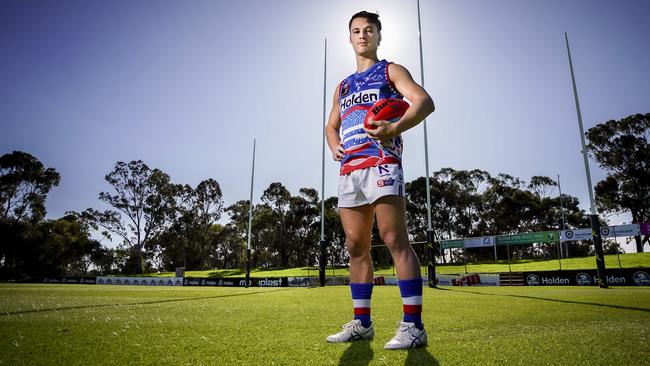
<point x="236" y="282"/>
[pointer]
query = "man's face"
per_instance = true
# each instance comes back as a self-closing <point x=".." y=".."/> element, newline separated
<point x="364" y="37"/>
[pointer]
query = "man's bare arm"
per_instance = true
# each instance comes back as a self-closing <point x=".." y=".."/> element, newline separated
<point x="332" y="129"/>
<point x="421" y="105"/>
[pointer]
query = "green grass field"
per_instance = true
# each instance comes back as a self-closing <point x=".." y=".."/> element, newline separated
<point x="102" y="325"/>
<point x="632" y="260"/>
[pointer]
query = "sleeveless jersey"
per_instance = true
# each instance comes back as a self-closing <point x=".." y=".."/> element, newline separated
<point x="357" y="93"/>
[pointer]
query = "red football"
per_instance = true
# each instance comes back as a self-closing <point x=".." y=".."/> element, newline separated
<point x="388" y="109"/>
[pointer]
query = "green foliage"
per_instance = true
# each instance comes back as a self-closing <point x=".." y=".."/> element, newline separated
<point x="29" y="246"/>
<point x="475" y="203"/>
<point x="24" y="185"/>
<point x="622" y="148"/>
<point x="52" y="247"/>
<point x="189" y="240"/>
<point x="95" y="325"/>
<point x="143" y="205"/>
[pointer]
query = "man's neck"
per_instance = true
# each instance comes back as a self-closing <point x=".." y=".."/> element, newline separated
<point x="364" y="62"/>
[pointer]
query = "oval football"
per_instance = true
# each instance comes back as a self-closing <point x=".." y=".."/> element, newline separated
<point x="389" y="109"/>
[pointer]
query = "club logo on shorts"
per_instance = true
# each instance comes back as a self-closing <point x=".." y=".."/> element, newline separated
<point x="385" y="182"/>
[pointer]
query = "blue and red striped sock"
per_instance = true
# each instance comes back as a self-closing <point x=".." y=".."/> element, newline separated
<point x="411" y="291"/>
<point x="361" y="293"/>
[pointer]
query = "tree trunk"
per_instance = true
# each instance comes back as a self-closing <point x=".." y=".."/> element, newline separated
<point x="138" y="259"/>
<point x="639" y="244"/>
<point x="637" y="239"/>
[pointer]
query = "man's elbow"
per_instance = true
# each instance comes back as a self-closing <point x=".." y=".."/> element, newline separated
<point x="432" y="105"/>
<point x="427" y="105"/>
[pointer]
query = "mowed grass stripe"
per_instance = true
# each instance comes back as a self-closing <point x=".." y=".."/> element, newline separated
<point x="59" y="307"/>
<point x="469" y="326"/>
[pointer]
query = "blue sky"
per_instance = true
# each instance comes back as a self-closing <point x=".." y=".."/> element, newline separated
<point x="186" y="86"/>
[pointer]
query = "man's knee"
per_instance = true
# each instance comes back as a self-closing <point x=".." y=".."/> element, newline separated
<point x="357" y="248"/>
<point x="396" y="243"/>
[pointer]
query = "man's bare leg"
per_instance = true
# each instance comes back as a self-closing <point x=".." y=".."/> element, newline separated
<point x="357" y="224"/>
<point x="391" y="221"/>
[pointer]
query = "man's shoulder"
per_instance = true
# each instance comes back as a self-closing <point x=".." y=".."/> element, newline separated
<point x="395" y="65"/>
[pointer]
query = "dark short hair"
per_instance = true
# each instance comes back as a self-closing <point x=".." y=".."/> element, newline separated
<point x="372" y="19"/>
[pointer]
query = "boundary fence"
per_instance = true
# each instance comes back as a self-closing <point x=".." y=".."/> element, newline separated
<point x="614" y="277"/>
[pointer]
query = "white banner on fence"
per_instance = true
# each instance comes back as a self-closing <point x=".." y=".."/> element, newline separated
<point x="140" y="281"/>
<point x="605" y="232"/>
<point x="620" y="230"/>
<point x="577" y="234"/>
<point x="483" y="241"/>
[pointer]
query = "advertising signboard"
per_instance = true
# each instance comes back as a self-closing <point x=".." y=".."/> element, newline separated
<point x="528" y="238"/>
<point x="454" y="243"/>
<point x="576" y="234"/>
<point x="483" y="241"/>
<point x="614" y="277"/>
<point x="620" y="230"/>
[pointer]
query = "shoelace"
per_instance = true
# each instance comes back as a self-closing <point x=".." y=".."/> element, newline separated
<point x="403" y="328"/>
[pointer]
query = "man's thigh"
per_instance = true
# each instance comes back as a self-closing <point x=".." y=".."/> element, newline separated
<point x="357" y="225"/>
<point x="391" y="219"/>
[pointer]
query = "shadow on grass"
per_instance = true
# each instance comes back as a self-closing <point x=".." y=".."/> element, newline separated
<point x="358" y="353"/>
<point x="551" y="300"/>
<point x="8" y="313"/>
<point x="420" y="356"/>
<point x="238" y="272"/>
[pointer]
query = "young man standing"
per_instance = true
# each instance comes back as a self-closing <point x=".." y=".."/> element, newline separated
<point x="371" y="182"/>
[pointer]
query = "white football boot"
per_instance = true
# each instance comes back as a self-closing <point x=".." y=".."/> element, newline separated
<point x="407" y="336"/>
<point x="352" y="331"/>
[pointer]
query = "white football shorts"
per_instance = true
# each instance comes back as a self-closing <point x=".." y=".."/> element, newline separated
<point x="365" y="186"/>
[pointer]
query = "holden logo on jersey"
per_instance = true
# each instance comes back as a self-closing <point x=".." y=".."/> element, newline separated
<point x="362" y="97"/>
<point x="385" y="182"/>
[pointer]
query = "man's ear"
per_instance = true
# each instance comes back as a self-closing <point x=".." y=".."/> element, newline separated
<point x="379" y="41"/>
